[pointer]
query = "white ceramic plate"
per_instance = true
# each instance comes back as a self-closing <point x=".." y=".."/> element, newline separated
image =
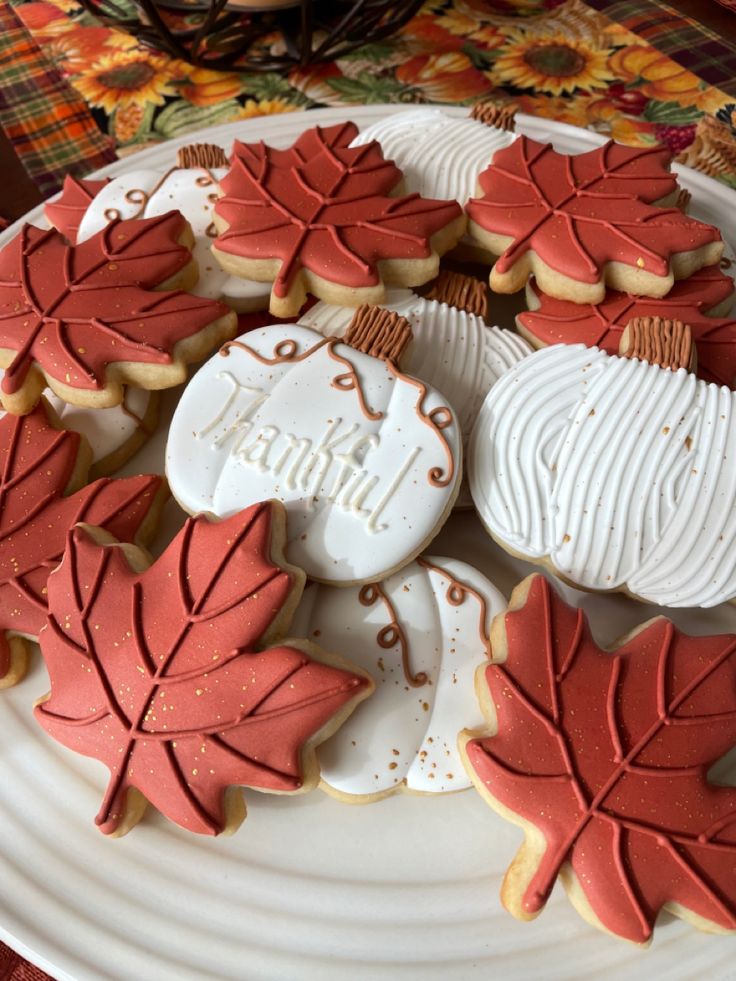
<point x="308" y="888"/>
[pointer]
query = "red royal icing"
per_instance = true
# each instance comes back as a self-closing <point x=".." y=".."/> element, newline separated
<point x="579" y="212"/>
<point x="607" y="755"/>
<point x="67" y="211"/>
<point x="324" y="207"/>
<point x="158" y="674"/>
<point x="73" y="310"/>
<point x="37" y="463"/>
<point x="601" y="325"/>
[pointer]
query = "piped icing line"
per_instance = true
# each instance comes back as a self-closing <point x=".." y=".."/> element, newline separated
<point x="285" y="352"/>
<point x="437" y="419"/>
<point x="393" y="633"/>
<point x="457" y="593"/>
<point x="404" y="738"/>
<point x="440" y="156"/>
<point x="618" y="472"/>
<point x="352" y="453"/>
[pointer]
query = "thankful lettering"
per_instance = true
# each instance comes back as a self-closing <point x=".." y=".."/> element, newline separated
<point x="333" y="469"/>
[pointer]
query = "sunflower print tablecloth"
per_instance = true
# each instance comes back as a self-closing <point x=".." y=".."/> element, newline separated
<point x="610" y="69"/>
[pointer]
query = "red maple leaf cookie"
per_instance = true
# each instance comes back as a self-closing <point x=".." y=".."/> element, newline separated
<point x="320" y="217"/>
<point x="42" y="469"/>
<point x="159" y="671"/>
<point x="66" y="212"/>
<point x="87" y="318"/>
<point x="692" y="300"/>
<point x="603" y="757"/>
<point x="580" y="222"/>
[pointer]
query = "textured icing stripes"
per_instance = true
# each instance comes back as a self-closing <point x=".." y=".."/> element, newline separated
<point x="618" y="471"/>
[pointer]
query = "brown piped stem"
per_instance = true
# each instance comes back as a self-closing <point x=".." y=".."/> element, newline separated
<point x="494" y="114"/>
<point x="683" y="199"/>
<point x="201" y="155"/>
<point x="668" y="343"/>
<point x="378" y="332"/>
<point x="461" y="291"/>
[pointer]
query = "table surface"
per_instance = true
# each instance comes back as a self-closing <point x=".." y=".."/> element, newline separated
<point x="444" y="23"/>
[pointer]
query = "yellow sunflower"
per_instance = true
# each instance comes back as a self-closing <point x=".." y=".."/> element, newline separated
<point x="265" y="107"/>
<point x="123" y="78"/>
<point x="553" y="64"/>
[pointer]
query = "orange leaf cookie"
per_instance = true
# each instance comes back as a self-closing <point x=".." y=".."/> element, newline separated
<point x="580" y="222"/>
<point x="692" y="300"/>
<point x="602" y="757"/>
<point x="42" y="469"/>
<point x="320" y="217"/>
<point x="158" y="671"/>
<point x="86" y="318"/>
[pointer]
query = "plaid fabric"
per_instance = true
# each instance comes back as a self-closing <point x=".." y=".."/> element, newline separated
<point x="50" y="128"/>
<point x="14" y="968"/>
<point x="696" y="47"/>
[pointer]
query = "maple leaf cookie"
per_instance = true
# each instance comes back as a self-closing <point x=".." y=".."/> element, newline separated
<point x="366" y="459"/>
<point x="86" y="207"/>
<point x="86" y="319"/>
<point x="42" y="474"/>
<point x="579" y="223"/>
<point x="703" y="301"/>
<point x="320" y="218"/>
<point x="420" y="634"/>
<point x="165" y="672"/>
<point x="602" y="757"/>
<point x="616" y="473"/>
<point x="114" y="435"/>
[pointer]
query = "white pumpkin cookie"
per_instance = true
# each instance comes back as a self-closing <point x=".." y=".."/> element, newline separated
<point x="366" y="459"/>
<point x="453" y="350"/>
<point x="441" y="156"/>
<point x="421" y="634"/>
<point x="616" y="473"/>
<point x="191" y="188"/>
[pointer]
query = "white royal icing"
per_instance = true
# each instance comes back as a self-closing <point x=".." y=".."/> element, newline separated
<point x="454" y="351"/>
<point x="192" y="191"/>
<point x="620" y="472"/>
<point x="362" y="494"/>
<point x="439" y="611"/>
<point x="106" y="430"/>
<point x="441" y="156"/>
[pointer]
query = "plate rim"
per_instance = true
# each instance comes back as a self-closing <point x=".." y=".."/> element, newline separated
<point x="47" y="950"/>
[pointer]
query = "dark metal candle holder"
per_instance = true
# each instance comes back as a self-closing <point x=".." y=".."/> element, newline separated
<point x="224" y="34"/>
